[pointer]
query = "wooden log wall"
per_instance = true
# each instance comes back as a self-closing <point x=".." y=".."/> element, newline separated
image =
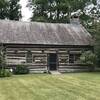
<point x="39" y="59"/>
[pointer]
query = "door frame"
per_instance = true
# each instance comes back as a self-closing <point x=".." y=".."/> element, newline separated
<point x="48" y="67"/>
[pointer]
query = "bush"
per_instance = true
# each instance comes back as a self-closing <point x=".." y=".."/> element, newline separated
<point x="5" y="73"/>
<point x="88" y="57"/>
<point x="20" y="69"/>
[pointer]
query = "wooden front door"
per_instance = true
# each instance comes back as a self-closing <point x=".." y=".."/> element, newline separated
<point x="52" y="61"/>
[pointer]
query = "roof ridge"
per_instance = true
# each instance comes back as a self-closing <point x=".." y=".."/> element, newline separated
<point x="6" y="20"/>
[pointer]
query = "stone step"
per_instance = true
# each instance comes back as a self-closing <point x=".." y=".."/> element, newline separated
<point x="55" y="72"/>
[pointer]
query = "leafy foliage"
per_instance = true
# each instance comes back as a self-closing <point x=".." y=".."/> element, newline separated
<point x="57" y="10"/>
<point x="3" y="9"/>
<point x="10" y="9"/>
<point x="94" y="29"/>
<point x="88" y="57"/>
<point x="14" y="10"/>
<point x="20" y="69"/>
<point x="5" y="73"/>
<point x="96" y="33"/>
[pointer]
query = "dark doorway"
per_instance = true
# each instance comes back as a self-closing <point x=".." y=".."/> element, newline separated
<point x="52" y="61"/>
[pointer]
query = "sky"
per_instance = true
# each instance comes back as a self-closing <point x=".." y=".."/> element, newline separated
<point x="98" y="1"/>
<point x="26" y="12"/>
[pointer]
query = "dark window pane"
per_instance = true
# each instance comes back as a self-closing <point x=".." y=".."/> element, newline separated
<point x="29" y="57"/>
<point x="71" y="58"/>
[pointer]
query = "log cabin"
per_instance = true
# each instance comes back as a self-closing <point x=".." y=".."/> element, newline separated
<point x="44" y="46"/>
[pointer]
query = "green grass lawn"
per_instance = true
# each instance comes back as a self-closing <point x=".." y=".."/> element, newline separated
<point x="76" y="86"/>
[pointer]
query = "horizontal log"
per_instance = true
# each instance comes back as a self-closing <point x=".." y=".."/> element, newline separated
<point x="74" y="70"/>
<point x="37" y="67"/>
<point x="73" y="67"/>
<point x="74" y="64"/>
<point x="42" y="69"/>
<point x="27" y="65"/>
<point x="15" y="57"/>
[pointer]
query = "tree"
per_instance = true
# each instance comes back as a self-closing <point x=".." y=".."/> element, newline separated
<point x="88" y="57"/>
<point x="39" y="10"/>
<point x="10" y="9"/>
<point x="14" y="10"/>
<point x="2" y="3"/>
<point x="3" y="9"/>
<point x="96" y="32"/>
<point x="94" y="29"/>
<point x="57" y="10"/>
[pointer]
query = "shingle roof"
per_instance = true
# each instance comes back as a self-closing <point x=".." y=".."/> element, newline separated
<point x="43" y="33"/>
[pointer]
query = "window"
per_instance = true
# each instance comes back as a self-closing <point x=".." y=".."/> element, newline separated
<point x="29" y="57"/>
<point x="73" y="58"/>
<point x="63" y="58"/>
<point x="39" y="59"/>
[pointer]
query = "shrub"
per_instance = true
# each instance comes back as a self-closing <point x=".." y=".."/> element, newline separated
<point x="88" y="57"/>
<point x="5" y="73"/>
<point x="20" y="69"/>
